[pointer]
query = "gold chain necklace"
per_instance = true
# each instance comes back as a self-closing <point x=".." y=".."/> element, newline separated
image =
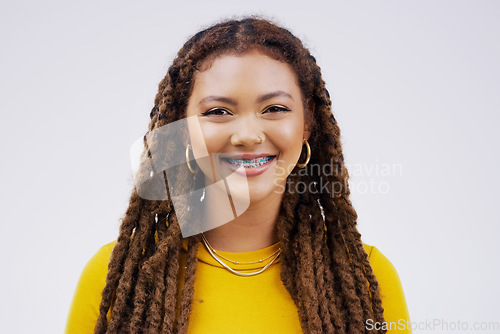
<point x="236" y="262"/>
<point x="215" y="255"/>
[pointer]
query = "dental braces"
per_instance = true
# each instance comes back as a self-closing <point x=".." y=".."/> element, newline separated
<point x="249" y="163"/>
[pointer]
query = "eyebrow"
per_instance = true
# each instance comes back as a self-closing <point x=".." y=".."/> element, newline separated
<point x="260" y="99"/>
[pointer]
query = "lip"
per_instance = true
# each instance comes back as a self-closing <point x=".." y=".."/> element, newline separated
<point x="249" y="171"/>
<point x="247" y="156"/>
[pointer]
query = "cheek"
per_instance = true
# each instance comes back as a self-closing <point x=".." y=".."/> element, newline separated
<point x="287" y="137"/>
<point x="215" y="137"/>
<point x="210" y="139"/>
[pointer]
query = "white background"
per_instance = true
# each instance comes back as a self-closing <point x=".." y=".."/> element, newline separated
<point x="414" y="85"/>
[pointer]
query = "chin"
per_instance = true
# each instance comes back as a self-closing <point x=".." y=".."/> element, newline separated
<point x="268" y="194"/>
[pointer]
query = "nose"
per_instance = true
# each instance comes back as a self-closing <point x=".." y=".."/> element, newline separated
<point x="247" y="132"/>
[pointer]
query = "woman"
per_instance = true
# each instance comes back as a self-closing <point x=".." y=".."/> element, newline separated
<point x="243" y="236"/>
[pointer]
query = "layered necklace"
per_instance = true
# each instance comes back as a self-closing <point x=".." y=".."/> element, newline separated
<point x="218" y="257"/>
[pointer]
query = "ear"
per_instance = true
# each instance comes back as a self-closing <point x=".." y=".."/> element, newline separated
<point x="308" y="117"/>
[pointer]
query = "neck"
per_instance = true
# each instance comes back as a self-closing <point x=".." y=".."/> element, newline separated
<point x="252" y="230"/>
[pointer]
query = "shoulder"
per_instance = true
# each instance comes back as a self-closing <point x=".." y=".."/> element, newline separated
<point x="104" y="252"/>
<point x="380" y="263"/>
<point x="94" y="272"/>
<point x="391" y="290"/>
<point x="97" y="267"/>
<point x="84" y="309"/>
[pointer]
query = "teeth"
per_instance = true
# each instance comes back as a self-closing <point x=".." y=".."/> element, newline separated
<point x="249" y="163"/>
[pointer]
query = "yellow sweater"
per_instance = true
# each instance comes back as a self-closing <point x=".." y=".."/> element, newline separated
<point x="226" y="303"/>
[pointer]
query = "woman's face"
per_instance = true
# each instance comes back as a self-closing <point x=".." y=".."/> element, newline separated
<point x="251" y="114"/>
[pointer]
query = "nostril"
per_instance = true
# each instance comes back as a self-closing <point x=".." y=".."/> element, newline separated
<point x="247" y="140"/>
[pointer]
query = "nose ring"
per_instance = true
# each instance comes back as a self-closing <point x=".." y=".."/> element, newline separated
<point x="261" y="140"/>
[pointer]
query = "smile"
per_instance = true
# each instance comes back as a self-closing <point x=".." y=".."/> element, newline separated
<point x="248" y="165"/>
<point x="254" y="163"/>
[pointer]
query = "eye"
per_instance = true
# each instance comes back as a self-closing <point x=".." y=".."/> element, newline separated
<point x="276" y="109"/>
<point x="216" y="112"/>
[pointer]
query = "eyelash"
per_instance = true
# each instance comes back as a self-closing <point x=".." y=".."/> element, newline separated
<point x="211" y="112"/>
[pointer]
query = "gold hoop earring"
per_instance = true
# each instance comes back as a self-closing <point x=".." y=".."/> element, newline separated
<point x="187" y="159"/>
<point x="302" y="165"/>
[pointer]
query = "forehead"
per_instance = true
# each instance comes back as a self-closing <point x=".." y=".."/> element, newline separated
<point x="251" y="70"/>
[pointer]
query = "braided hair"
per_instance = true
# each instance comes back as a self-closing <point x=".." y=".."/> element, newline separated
<point x="324" y="265"/>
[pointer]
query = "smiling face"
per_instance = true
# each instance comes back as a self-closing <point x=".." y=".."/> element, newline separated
<point x="251" y="114"/>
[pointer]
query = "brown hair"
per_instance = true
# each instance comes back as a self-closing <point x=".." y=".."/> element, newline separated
<point x="324" y="265"/>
